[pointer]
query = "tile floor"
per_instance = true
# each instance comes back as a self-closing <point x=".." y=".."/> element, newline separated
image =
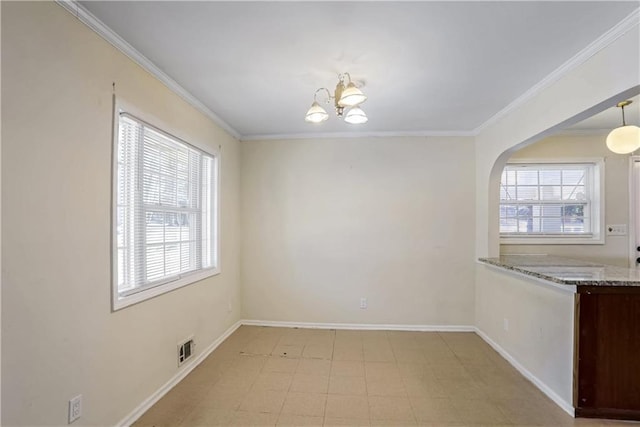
<point x="264" y="376"/>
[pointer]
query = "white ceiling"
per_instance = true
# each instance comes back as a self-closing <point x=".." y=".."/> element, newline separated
<point x="611" y="118"/>
<point x="427" y="67"/>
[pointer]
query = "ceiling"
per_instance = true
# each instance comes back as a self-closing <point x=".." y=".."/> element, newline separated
<point x="427" y="67"/>
<point x="611" y="118"/>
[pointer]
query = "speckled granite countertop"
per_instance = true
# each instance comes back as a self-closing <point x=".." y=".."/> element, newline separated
<point x="566" y="271"/>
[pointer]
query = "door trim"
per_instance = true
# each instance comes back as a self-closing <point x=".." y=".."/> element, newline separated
<point x="634" y="212"/>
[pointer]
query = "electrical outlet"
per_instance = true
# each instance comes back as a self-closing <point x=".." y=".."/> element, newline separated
<point x="75" y="408"/>
<point x="616" y="229"/>
<point x="505" y="324"/>
<point x="363" y="303"/>
<point x="229" y="306"/>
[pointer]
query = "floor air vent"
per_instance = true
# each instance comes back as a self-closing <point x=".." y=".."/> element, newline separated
<point x="185" y="351"/>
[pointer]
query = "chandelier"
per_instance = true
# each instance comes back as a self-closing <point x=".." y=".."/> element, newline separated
<point x="345" y="96"/>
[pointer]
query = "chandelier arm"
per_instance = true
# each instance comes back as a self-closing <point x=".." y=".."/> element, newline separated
<point x="320" y="90"/>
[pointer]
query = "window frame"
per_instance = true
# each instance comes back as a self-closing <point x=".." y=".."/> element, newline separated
<point x="597" y="202"/>
<point x="118" y="300"/>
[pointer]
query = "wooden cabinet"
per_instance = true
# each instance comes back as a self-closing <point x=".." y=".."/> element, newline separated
<point x="607" y="375"/>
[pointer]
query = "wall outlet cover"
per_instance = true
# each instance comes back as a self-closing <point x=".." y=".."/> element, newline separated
<point x="75" y="408"/>
<point x="616" y="229"/>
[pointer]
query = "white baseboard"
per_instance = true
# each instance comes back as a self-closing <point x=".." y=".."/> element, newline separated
<point x="183" y="372"/>
<point x="361" y="326"/>
<point x="566" y="406"/>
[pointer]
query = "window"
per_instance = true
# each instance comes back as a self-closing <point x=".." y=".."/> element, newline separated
<point x="551" y="202"/>
<point x="165" y="212"/>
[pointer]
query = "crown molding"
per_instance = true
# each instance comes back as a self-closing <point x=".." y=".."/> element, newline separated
<point x="632" y="20"/>
<point x="328" y="135"/>
<point x="87" y="18"/>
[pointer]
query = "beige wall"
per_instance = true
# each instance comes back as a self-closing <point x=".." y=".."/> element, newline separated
<point x="539" y="333"/>
<point x="615" y="250"/>
<point x="59" y="335"/>
<point x="326" y="222"/>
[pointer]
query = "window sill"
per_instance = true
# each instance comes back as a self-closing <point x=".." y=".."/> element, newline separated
<point x="120" y="302"/>
<point x="540" y="240"/>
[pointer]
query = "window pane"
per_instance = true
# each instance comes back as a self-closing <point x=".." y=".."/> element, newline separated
<point x="155" y="262"/>
<point x="549" y="192"/>
<point x="168" y="163"/>
<point x="573" y="177"/>
<point x="527" y="193"/>
<point x="508" y="211"/>
<point x="507" y="193"/>
<point x="172" y="260"/>
<point x="168" y="191"/>
<point x="573" y="193"/>
<point x="525" y="210"/>
<point x="574" y="224"/>
<point x="526" y="225"/>
<point x="508" y="225"/>
<point x="151" y="189"/>
<point x="155" y="227"/>
<point x="551" y="225"/>
<point x="550" y="177"/>
<point x="120" y="221"/>
<point x="527" y="177"/>
<point x="171" y="227"/>
<point x="535" y="225"/>
<point x="120" y="268"/>
<point x="183" y="194"/>
<point x="186" y="260"/>
<point x="573" y="210"/>
<point x="508" y="177"/>
<point x="186" y="230"/>
<point x="551" y="210"/>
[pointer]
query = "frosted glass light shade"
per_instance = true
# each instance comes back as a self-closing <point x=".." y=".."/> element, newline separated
<point x="351" y="96"/>
<point x="316" y="114"/>
<point x="624" y="140"/>
<point x="356" y="116"/>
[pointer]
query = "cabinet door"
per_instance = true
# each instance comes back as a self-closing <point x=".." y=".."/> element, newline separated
<point x="609" y="354"/>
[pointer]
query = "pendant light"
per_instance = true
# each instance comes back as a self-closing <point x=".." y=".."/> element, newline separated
<point x="626" y="138"/>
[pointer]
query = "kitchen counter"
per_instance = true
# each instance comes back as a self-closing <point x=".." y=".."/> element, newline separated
<point x="567" y="271"/>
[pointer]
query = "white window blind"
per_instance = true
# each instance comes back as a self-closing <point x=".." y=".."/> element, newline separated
<point x="547" y="200"/>
<point x="165" y="213"/>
